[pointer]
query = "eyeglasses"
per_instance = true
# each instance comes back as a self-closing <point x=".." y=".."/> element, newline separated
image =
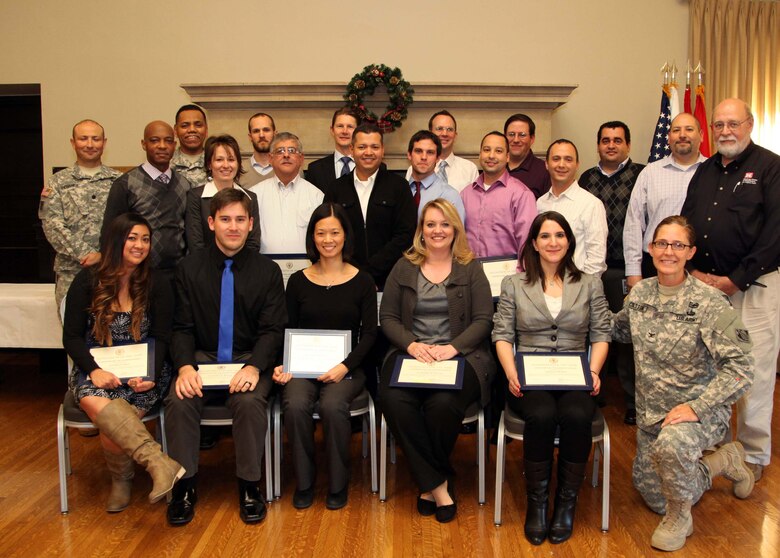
<point x="677" y="246"/>
<point x="519" y="135"/>
<point x="731" y="125"/>
<point x="288" y="150"/>
<point x="441" y="129"/>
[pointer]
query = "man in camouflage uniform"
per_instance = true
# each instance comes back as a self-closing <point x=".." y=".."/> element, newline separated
<point x="693" y="361"/>
<point x="191" y="130"/>
<point x="72" y="206"/>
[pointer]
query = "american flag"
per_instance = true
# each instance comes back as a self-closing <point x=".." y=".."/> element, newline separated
<point x="660" y="145"/>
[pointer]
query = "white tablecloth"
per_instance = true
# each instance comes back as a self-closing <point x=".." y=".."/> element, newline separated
<point x="28" y="317"/>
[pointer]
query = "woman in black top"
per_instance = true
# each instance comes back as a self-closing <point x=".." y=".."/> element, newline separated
<point x="331" y="294"/>
<point x="119" y="301"/>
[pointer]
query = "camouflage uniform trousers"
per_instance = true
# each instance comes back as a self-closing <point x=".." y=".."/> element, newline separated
<point x="668" y="466"/>
<point x="65" y="276"/>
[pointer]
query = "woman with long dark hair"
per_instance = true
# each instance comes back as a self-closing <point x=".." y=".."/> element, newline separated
<point x="552" y="306"/>
<point x="115" y="302"/>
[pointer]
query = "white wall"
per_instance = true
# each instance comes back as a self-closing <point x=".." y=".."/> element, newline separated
<point x="122" y="63"/>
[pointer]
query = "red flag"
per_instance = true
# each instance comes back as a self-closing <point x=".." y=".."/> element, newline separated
<point x="687" y="100"/>
<point x="701" y="116"/>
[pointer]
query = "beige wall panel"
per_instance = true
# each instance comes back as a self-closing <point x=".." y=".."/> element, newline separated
<point x="122" y="63"/>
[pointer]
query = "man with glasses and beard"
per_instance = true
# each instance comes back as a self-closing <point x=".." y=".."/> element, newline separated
<point x="733" y="203"/>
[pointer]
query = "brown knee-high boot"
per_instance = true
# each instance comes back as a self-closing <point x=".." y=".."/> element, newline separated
<point x="119" y="421"/>
<point x="122" y="470"/>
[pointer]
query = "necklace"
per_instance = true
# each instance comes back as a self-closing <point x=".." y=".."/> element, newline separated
<point x="330" y="281"/>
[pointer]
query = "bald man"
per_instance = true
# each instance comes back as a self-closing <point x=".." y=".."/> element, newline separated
<point x="733" y="202"/>
<point x="158" y="193"/>
<point x="72" y="206"/>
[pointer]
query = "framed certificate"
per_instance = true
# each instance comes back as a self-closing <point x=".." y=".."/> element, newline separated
<point x="130" y="360"/>
<point x="496" y="269"/>
<point x="289" y="264"/>
<point x="218" y="376"/>
<point x="554" y="371"/>
<point x="444" y="374"/>
<point x="309" y="353"/>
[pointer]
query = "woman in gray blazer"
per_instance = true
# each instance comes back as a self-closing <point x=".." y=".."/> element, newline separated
<point x="552" y="307"/>
<point x="436" y="305"/>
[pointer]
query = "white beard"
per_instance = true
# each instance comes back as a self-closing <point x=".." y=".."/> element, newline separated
<point x="732" y="150"/>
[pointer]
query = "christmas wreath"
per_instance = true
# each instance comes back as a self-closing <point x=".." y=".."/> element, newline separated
<point x="399" y="92"/>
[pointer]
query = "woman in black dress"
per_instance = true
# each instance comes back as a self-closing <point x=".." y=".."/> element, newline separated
<point x="119" y="301"/>
<point x="330" y="294"/>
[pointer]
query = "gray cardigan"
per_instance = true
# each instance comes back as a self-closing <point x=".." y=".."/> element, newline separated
<point x="470" y="309"/>
<point x="523" y="317"/>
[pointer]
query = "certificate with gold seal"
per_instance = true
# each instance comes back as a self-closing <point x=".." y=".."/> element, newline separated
<point x="496" y="269"/>
<point x="131" y="360"/>
<point x="554" y="371"/>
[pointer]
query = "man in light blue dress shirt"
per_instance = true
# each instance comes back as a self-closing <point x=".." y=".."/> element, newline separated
<point x="424" y="150"/>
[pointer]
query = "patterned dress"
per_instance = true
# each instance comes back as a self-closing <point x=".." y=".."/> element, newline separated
<point x="81" y="386"/>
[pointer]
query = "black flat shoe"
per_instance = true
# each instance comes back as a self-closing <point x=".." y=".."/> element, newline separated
<point x="181" y="508"/>
<point x="445" y="514"/>
<point x="630" y="417"/>
<point x="303" y="499"/>
<point x="251" y="504"/>
<point x="337" y="500"/>
<point x="425" y="507"/>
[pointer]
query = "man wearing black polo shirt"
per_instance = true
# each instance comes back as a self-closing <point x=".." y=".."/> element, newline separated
<point x="733" y="203"/>
<point x="529" y="169"/>
<point x="216" y="323"/>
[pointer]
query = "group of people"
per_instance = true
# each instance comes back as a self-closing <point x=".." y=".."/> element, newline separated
<point x="192" y="225"/>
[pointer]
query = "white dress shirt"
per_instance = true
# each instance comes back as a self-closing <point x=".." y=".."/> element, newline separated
<point x="588" y="220"/>
<point x="364" y="190"/>
<point x="659" y="192"/>
<point x="284" y="214"/>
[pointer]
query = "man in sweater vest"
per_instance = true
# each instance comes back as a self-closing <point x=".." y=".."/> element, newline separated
<point x="612" y="181"/>
<point x="156" y="192"/>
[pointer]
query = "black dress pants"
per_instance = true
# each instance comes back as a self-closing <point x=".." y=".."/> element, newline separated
<point x="426" y="423"/>
<point x="545" y="411"/>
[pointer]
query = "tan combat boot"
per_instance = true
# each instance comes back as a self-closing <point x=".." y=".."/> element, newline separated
<point x="675" y="527"/>
<point x="122" y="470"/>
<point x="119" y="421"/>
<point x="729" y="461"/>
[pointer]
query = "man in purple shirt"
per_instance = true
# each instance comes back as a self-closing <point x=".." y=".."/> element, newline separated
<point x="523" y="165"/>
<point x="499" y="208"/>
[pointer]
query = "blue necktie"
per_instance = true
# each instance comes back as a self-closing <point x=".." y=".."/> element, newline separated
<point x="225" y="344"/>
<point x="345" y="169"/>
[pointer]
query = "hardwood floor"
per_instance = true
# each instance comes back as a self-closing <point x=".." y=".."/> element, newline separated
<point x="31" y="524"/>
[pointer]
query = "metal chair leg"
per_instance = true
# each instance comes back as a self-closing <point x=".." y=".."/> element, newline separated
<point x="499" y="471"/>
<point x="383" y="460"/>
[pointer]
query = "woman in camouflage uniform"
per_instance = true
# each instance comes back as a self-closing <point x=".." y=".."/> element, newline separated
<point x="693" y="361"/>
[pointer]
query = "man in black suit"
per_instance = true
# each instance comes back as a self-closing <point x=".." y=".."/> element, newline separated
<point x="379" y="205"/>
<point x="323" y="172"/>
